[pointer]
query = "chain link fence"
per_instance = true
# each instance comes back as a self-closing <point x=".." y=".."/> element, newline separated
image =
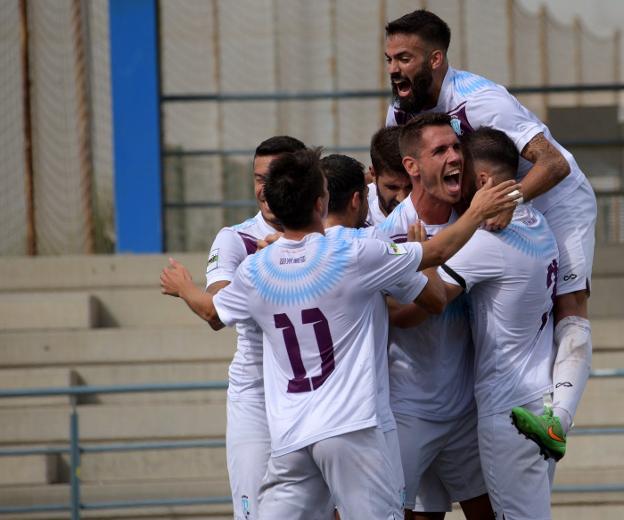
<point x="56" y="165"/>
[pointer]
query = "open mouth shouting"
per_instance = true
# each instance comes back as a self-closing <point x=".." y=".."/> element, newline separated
<point x="452" y="181"/>
<point x="402" y="86"/>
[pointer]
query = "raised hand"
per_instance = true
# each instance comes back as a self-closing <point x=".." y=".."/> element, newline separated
<point x="174" y="277"/>
<point x="491" y="200"/>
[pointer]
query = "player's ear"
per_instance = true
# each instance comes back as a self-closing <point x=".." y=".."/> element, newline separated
<point x="371" y="176"/>
<point x="411" y="166"/>
<point x="436" y="59"/>
<point x="481" y="177"/>
<point x="356" y="200"/>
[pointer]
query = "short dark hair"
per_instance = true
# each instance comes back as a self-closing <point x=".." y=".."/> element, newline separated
<point x="293" y="184"/>
<point x="345" y="176"/>
<point x="277" y="145"/>
<point x="494" y="147"/>
<point x="411" y="132"/>
<point x="385" y="152"/>
<point x="428" y="26"/>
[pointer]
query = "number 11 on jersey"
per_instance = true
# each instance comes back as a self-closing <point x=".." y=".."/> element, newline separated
<point x="315" y="317"/>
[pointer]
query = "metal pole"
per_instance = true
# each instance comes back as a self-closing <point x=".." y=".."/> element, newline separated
<point x="545" y="62"/>
<point x="31" y="234"/>
<point x="511" y="42"/>
<point x="74" y="446"/>
<point x="333" y="68"/>
<point x="84" y="122"/>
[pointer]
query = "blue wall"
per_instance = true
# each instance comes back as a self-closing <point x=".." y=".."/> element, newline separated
<point x="136" y="125"/>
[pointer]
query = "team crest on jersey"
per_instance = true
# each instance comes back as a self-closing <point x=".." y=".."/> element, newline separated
<point x="213" y="260"/>
<point x="395" y="249"/>
<point x="456" y="124"/>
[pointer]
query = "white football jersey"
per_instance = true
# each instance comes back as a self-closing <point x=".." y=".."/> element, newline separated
<point x="510" y="277"/>
<point x="375" y="215"/>
<point x="230" y="247"/>
<point x="384" y="413"/>
<point x="431" y="365"/>
<point x="315" y="301"/>
<point x="473" y="101"/>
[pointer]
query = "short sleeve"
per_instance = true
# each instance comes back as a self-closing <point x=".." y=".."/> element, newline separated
<point x="226" y="254"/>
<point x="390" y="267"/>
<point x="497" y="108"/>
<point x="232" y="302"/>
<point x="479" y="260"/>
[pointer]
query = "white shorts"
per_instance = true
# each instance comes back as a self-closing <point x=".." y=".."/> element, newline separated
<point x="441" y="461"/>
<point x="394" y="452"/>
<point x="518" y="478"/>
<point x="573" y="222"/>
<point x="351" y="469"/>
<point x="248" y="448"/>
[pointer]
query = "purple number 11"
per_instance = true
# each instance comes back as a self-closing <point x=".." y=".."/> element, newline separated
<point x="301" y="382"/>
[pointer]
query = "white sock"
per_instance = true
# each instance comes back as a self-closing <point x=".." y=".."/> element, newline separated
<point x="572" y="366"/>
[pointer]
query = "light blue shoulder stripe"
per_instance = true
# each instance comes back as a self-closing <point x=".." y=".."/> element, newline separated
<point x="535" y="241"/>
<point x="467" y="83"/>
<point x="296" y="284"/>
<point x="245" y="224"/>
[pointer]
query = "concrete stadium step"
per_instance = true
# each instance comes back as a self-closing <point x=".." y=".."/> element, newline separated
<point x="601" y="403"/>
<point x="33" y="470"/>
<point x="592" y="507"/>
<point x="608" y="359"/>
<point x="48" y="273"/>
<point x="145" y="373"/>
<point x="162" y="373"/>
<point x="608" y="260"/>
<point x="36" y="378"/>
<point x="98" y="493"/>
<point x="142" y="307"/>
<point x="183" y="464"/>
<point x="592" y="459"/>
<point x="140" y="345"/>
<point x="606" y="300"/>
<point x="114" y="422"/>
<point x="35" y="311"/>
<point x="106" y="271"/>
<point x="607" y="333"/>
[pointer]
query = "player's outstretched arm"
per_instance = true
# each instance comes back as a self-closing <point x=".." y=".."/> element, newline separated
<point x="487" y="202"/>
<point x="175" y="280"/>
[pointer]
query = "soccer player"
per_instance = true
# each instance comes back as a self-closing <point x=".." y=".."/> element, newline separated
<point x="247" y="434"/>
<point x="431" y="365"/>
<point x="391" y="184"/>
<point x="510" y="278"/>
<point x="346" y="215"/>
<point x="422" y="80"/>
<point x="312" y="296"/>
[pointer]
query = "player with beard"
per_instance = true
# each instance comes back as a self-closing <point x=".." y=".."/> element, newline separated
<point x="422" y="80"/>
<point x="431" y="373"/>
<point x="312" y="296"/>
<point x="248" y="444"/>
<point x="391" y="184"/>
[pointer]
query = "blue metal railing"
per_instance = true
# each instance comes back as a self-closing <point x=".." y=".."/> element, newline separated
<point x="75" y="448"/>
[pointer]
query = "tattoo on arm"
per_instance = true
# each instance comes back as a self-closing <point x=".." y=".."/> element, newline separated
<point x="540" y="149"/>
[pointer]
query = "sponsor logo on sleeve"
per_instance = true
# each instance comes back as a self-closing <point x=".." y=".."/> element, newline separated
<point x="395" y="249"/>
<point x="213" y="260"/>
